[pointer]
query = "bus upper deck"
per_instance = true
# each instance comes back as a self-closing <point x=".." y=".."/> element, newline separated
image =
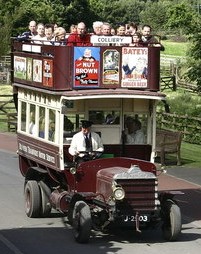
<point x="66" y="68"/>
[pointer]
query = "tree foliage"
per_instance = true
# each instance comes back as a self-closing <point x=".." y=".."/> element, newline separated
<point x="117" y="12"/>
<point x="180" y="17"/>
<point x="194" y="61"/>
<point x="154" y="14"/>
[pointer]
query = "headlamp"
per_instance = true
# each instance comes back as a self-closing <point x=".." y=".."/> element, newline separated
<point x="118" y="192"/>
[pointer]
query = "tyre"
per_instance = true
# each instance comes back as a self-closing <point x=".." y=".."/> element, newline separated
<point x="71" y="208"/>
<point x="70" y="213"/>
<point x="45" y="199"/>
<point x="172" y="221"/>
<point x="81" y="222"/>
<point x="32" y="196"/>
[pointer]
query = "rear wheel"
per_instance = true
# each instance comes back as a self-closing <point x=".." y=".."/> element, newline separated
<point x="81" y="222"/>
<point x="172" y="221"/>
<point x="45" y="199"/>
<point x="32" y="196"/>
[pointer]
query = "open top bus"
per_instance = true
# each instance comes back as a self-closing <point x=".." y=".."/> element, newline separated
<point x="57" y="89"/>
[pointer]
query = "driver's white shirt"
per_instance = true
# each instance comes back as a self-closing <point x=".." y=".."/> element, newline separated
<point x="78" y="143"/>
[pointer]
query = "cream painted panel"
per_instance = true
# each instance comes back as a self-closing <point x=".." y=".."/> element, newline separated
<point x="135" y="105"/>
<point x="128" y="105"/>
<point x="104" y="103"/>
<point x="141" y="105"/>
<point x="110" y="134"/>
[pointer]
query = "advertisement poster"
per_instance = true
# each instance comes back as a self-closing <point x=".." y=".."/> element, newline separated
<point x="29" y="69"/>
<point x="47" y="73"/>
<point x="86" y="67"/>
<point x="111" y="66"/>
<point x="37" y="70"/>
<point x="134" y="67"/>
<point x="19" y="67"/>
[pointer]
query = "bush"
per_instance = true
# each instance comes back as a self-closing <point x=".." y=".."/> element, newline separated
<point x="182" y="102"/>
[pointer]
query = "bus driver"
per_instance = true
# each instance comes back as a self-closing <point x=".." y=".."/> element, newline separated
<point x="86" y="141"/>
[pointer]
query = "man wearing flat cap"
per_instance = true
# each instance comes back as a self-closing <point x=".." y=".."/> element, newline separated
<point x="85" y="141"/>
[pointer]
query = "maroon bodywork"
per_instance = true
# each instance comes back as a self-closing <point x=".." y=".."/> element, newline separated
<point x="88" y="172"/>
<point x="62" y="64"/>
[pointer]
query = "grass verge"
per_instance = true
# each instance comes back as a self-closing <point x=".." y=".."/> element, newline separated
<point x="190" y="154"/>
<point x="5" y="90"/>
<point x="175" y="48"/>
<point x="189" y="157"/>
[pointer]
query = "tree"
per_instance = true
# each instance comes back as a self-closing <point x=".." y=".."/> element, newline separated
<point x="7" y="10"/>
<point x="77" y="11"/>
<point x="117" y="12"/>
<point x="194" y="61"/>
<point x="40" y="11"/>
<point x="180" y="17"/>
<point x="154" y="14"/>
<point x="185" y="18"/>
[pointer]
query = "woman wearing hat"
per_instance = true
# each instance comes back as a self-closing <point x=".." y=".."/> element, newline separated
<point x="85" y="141"/>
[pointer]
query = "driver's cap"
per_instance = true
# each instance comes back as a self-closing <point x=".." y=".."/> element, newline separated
<point x="86" y="123"/>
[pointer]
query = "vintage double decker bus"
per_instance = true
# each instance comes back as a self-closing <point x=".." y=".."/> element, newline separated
<point x="58" y="87"/>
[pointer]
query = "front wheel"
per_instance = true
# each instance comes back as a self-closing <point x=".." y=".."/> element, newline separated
<point x="81" y="222"/>
<point x="32" y="199"/>
<point x="172" y="221"/>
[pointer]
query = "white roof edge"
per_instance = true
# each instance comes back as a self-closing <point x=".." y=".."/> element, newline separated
<point x="82" y="97"/>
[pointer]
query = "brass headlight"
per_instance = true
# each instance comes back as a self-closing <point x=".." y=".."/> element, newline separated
<point x="118" y="192"/>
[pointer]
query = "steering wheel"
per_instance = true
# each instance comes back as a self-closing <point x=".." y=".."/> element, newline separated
<point x="90" y="155"/>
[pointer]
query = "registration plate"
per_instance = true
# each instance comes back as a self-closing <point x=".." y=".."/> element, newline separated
<point x="141" y="218"/>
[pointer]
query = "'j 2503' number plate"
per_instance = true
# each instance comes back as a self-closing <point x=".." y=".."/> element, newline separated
<point x="141" y="218"/>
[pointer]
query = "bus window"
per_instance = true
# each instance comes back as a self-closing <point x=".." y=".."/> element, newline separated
<point x="52" y="118"/>
<point x="32" y="123"/>
<point x="104" y="117"/>
<point x="23" y="116"/>
<point x="68" y="124"/>
<point x="42" y="122"/>
<point x="71" y="126"/>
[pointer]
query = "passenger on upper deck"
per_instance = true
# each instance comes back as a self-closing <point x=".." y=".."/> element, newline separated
<point x="113" y="31"/>
<point x="39" y="38"/>
<point x="148" y="39"/>
<point x="73" y="29"/>
<point x="85" y="140"/>
<point x="97" y="27"/>
<point x="28" y="34"/>
<point x="136" y="40"/>
<point x="59" y="36"/>
<point x="55" y="25"/>
<point x="106" y="29"/>
<point x="49" y="34"/>
<point x="81" y="38"/>
<point x="121" y="30"/>
<point x="131" y="28"/>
